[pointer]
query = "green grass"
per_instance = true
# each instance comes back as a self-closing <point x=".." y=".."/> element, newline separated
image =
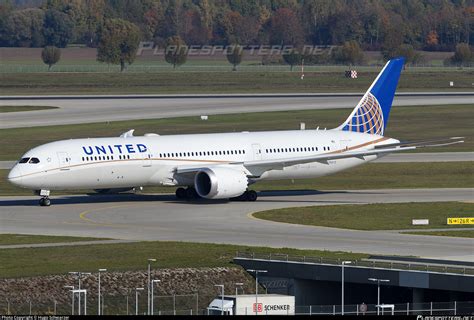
<point x="23" y="108"/>
<point x="133" y="256"/>
<point x="207" y="81"/>
<point x="372" y="216"/>
<point x="11" y="239"/>
<point x="370" y="176"/>
<point x="453" y="233"/>
<point x="406" y="123"/>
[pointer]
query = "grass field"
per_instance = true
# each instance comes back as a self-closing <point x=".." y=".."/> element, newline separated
<point x="372" y="216"/>
<point x="370" y="176"/>
<point x="10" y="239"/>
<point x="406" y="123"/>
<point x="133" y="256"/>
<point x="220" y="82"/>
<point x="453" y="233"/>
<point x="23" y="108"/>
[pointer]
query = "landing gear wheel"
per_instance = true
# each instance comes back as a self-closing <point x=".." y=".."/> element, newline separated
<point x="246" y="196"/>
<point x="191" y="194"/>
<point x="45" y="202"/>
<point x="180" y="193"/>
<point x="251" y="195"/>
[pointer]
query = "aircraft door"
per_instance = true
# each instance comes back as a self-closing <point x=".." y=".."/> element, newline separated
<point x="147" y="160"/>
<point x="345" y="144"/>
<point x="64" y="160"/>
<point x="257" y="151"/>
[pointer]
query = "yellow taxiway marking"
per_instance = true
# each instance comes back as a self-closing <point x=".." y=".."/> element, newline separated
<point x="83" y="214"/>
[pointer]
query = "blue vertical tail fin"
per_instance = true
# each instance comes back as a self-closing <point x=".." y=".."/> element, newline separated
<point x="372" y="112"/>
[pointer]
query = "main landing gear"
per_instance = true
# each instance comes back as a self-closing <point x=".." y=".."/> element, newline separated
<point x="249" y="195"/>
<point x="44" y="201"/>
<point x="189" y="193"/>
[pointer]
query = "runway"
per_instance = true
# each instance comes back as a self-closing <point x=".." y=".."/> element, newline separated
<point x="160" y="217"/>
<point x="88" y="109"/>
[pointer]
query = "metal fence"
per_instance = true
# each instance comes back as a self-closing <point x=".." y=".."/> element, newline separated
<point x="188" y="305"/>
<point x="176" y="304"/>
<point x="374" y="264"/>
<point x="157" y="68"/>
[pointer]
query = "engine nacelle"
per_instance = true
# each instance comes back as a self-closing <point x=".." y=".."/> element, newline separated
<point x="220" y="183"/>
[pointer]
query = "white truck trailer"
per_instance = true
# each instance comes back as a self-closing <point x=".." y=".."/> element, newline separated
<point x="247" y="304"/>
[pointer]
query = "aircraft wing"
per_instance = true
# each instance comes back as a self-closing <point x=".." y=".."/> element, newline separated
<point x="260" y="166"/>
<point x="256" y="168"/>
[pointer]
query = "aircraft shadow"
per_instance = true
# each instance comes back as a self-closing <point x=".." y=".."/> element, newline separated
<point x="264" y="196"/>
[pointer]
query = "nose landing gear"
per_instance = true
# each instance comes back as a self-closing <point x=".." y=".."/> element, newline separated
<point x="44" y="201"/>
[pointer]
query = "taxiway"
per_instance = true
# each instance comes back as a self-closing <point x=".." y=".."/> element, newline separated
<point x="88" y="109"/>
<point x="161" y="217"/>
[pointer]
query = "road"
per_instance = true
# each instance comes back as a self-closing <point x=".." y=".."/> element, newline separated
<point x="160" y="217"/>
<point x="88" y="109"/>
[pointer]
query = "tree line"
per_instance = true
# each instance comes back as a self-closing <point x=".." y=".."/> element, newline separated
<point x="373" y="24"/>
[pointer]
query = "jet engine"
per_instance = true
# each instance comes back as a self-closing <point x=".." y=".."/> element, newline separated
<point x="220" y="183"/>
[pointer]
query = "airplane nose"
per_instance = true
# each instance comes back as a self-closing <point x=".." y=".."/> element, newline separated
<point x="15" y="175"/>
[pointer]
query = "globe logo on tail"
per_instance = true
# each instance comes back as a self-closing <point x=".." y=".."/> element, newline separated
<point x="367" y="118"/>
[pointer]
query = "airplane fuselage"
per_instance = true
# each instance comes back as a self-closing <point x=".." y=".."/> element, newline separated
<point x="100" y="163"/>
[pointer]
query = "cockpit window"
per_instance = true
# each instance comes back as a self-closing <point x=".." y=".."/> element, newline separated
<point x="24" y="160"/>
<point x="34" y="160"/>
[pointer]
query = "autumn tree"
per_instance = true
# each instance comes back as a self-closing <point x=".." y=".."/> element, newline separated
<point x="234" y="55"/>
<point x="463" y="55"/>
<point x="408" y="52"/>
<point x="350" y="53"/>
<point x="22" y="28"/>
<point x="94" y="16"/>
<point x="432" y="40"/>
<point x="50" y="55"/>
<point x="292" y="57"/>
<point x="176" y="51"/>
<point x="118" y="42"/>
<point x="286" y="28"/>
<point x="392" y="41"/>
<point x="193" y="29"/>
<point x="57" y="28"/>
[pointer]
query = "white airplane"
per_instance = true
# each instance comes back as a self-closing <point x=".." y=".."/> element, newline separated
<point x="218" y="165"/>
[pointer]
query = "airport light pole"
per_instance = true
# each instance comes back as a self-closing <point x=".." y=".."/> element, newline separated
<point x="237" y="285"/>
<point x="99" y="293"/>
<point x="256" y="286"/>
<point x="136" y="299"/>
<point x="152" y="294"/>
<point x="72" y="294"/>
<point x="342" y="285"/>
<point x="79" y="276"/>
<point x="378" y="290"/>
<point x="222" y="296"/>
<point x="149" y="281"/>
